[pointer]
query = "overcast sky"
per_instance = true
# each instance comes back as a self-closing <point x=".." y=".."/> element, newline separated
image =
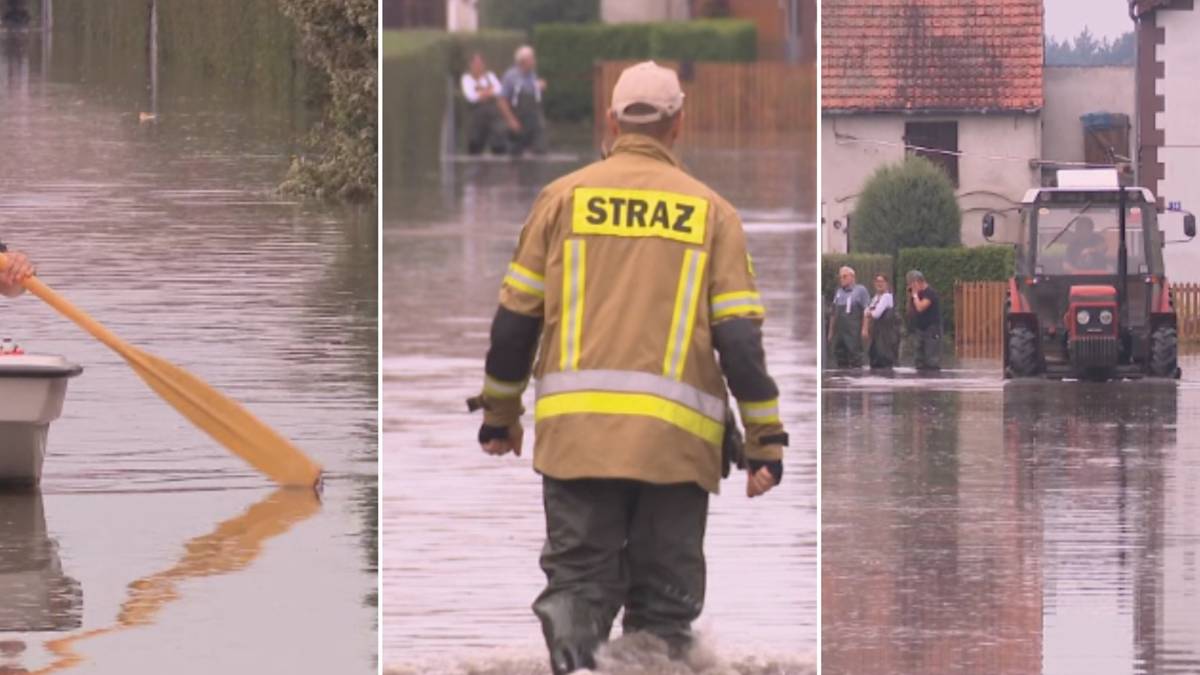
<point x="1105" y="18"/>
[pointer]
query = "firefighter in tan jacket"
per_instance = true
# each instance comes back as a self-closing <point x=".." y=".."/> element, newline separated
<point x="630" y="277"/>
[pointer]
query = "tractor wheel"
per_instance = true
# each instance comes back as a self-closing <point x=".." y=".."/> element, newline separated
<point x="1164" y="351"/>
<point x="1022" y="352"/>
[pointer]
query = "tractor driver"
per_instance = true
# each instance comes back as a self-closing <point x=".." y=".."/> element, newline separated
<point x="1087" y="251"/>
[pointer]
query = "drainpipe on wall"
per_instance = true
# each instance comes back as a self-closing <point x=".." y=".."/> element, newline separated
<point x="1137" y="88"/>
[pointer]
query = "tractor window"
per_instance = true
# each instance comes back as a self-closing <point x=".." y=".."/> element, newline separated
<point x="1084" y="240"/>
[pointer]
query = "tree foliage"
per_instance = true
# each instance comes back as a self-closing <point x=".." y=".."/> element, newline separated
<point x="1086" y="50"/>
<point x="906" y="205"/>
<point x="340" y="39"/>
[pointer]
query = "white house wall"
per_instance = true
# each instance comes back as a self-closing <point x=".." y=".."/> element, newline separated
<point x="994" y="170"/>
<point x="462" y="15"/>
<point x="1180" y="155"/>
<point x="625" y="11"/>
<point x="1180" y="123"/>
<point x="1074" y="91"/>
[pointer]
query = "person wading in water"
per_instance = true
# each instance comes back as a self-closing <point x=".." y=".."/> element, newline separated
<point x="850" y="300"/>
<point x="630" y="279"/>
<point x="881" y="328"/>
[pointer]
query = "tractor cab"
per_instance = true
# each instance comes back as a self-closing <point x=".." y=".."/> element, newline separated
<point x="1089" y="296"/>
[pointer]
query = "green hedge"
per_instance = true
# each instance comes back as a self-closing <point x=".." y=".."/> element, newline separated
<point x="414" y="100"/>
<point x="568" y="52"/>
<point x="943" y="267"/>
<point x="525" y="14"/>
<point x="865" y="266"/>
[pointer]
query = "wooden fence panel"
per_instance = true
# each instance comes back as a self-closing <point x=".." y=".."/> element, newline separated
<point x="731" y="104"/>
<point x="979" y="318"/>
<point x="1187" y="311"/>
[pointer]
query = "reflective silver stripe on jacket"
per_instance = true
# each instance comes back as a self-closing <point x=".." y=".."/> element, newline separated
<point x="632" y="382"/>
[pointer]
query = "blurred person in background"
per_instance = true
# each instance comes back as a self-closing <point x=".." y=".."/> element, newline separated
<point x="521" y="104"/>
<point x="485" y="123"/>
<point x="925" y="322"/>
<point x="850" y="301"/>
<point x="881" y="329"/>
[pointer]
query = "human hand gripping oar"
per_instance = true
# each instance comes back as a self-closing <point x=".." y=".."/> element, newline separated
<point x="222" y="418"/>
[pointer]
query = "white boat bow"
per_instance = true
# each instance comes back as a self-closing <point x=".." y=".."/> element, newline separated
<point x="32" y="390"/>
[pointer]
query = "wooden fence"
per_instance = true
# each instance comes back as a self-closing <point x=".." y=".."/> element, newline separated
<point x="979" y="316"/>
<point x="1187" y="311"/>
<point x="730" y="104"/>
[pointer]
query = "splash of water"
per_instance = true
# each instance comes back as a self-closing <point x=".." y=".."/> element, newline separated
<point x="635" y="654"/>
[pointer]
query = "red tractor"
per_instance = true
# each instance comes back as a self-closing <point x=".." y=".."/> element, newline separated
<point x="1089" y="298"/>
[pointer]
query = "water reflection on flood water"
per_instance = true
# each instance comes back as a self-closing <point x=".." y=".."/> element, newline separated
<point x="463" y="530"/>
<point x="976" y="525"/>
<point x="149" y="545"/>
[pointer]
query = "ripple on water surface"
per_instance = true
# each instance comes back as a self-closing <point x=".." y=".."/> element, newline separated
<point x="149" y="543"/>
<point x="1023" y="527"/>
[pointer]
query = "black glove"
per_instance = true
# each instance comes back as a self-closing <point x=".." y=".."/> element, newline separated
<point x="776" y="468"/>
<point x="488" y="433"/>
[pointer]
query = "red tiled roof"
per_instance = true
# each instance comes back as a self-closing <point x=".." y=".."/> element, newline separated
<point x="934" y="55"/>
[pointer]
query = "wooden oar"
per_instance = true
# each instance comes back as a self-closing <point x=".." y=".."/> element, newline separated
<point x="222" y="418"/>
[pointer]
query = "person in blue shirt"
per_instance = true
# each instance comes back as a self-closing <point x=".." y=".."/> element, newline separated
<point x="846" y="323"/>
<point x="521" y="103"/>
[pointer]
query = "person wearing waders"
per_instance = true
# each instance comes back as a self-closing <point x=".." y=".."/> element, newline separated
<point x="850" y="300"/>
<point x="632" y="285"/>
<point x="521" y="103"/>
<point x="18" y="270"/>
<point x="485" y="124"/>
<point x="881" y="330"/>
<point x="925" y="315"/>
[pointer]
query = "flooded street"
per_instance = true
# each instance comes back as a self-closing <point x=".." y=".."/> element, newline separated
<point x="464" y="530"/>
<point x="149" y="544"/>
<point x="976" y="525"/>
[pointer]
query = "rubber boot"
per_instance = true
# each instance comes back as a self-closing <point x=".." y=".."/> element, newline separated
<point x="568" y="659"/>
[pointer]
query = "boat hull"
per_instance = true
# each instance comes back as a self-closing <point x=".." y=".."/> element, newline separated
<point x="32" y="391"/>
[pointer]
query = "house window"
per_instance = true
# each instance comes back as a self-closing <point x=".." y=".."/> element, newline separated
<point x="935" y="141"/>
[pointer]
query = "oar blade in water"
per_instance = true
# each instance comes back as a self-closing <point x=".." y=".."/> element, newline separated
<point x="226" y="421"/>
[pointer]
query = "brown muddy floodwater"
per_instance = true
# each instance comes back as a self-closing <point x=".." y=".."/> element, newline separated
<point x="150" y="548"/>
<point x="973" y="525"/>
<point x="463" y="531"/>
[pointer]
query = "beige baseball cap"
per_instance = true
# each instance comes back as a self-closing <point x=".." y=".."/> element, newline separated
<point x="649" y="84"/>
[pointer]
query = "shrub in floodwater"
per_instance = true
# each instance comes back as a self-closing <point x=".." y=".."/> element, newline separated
<point x="340" y="39"/>
<point x="906" y="205"/>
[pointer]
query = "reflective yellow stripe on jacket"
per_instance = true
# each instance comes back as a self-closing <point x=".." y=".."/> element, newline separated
<point x="684" y="318"/>
<point x="740" y="303"/>
<point x="574" y="276"/>
<point x="525" y="279"/>
<point x="759" y="412"/>
<point x="502" y="389"/>
<point x="620" y="392"/>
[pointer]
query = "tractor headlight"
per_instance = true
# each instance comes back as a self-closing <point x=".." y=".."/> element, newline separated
<point x="1106" y="316"/>
<point x="1083" y="317"/>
